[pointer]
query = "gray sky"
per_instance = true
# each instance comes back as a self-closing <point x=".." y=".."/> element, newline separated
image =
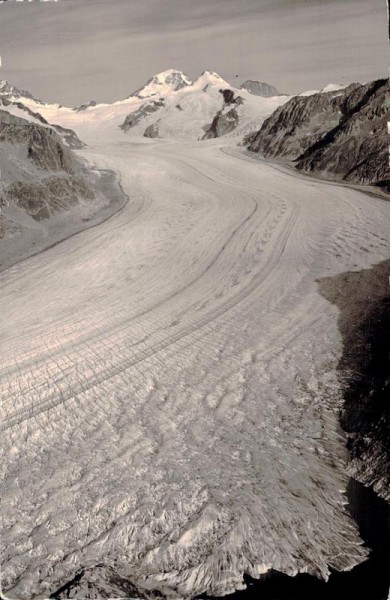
<point x="73" y="50"/>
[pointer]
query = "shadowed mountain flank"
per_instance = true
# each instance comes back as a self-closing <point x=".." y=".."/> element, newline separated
<point x="340" y="134"/>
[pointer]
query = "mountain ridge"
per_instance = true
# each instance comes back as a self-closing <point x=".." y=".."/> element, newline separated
<point x="341" y="134"/>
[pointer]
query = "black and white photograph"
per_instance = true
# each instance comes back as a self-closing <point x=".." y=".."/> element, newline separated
<point x="194" y="299"/>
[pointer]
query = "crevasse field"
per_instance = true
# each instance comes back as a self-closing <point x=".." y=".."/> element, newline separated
<point x="169" y="384"/>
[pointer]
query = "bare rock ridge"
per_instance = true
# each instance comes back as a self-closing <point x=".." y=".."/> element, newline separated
<point x="68" y="136"/>
<point x="260" y="88"/>
<point x="83" y="107"/>
<point x="340" y="134"/>
<point x="226" y="119"/>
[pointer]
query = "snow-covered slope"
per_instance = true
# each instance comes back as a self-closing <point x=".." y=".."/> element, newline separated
<point x="187" y="113"/>
<point x="330" y="87"/>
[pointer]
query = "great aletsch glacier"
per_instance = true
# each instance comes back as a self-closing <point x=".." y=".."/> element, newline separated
<point x="169" y="385"/>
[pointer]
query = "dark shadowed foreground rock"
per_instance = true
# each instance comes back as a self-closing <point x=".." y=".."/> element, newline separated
<point x="338" y="134"/>
<point x="260" y="88"/>
<point x="363" y="299"/>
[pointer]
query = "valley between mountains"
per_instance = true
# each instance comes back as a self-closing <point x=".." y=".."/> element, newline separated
<point x="169" y="376"/>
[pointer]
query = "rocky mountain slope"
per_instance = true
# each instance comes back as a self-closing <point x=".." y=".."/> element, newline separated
<point x="68" y="136"/>
<point x="260" y="88"/>
<point x="7" y="90"/>
<point x="46" y="192"/>
<point x="339" y="134"/>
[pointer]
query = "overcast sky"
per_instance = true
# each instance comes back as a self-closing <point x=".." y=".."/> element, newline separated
<point x="73" y="50"/>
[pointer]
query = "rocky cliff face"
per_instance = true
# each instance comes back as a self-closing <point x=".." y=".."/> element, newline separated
<point x="39" y="174"/>
<point x="340" y="134"/>
<point x="46" y="192"/>
<point x="260" y="88"/>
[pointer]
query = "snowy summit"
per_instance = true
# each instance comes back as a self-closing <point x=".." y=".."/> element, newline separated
<point x="163" y="83"/>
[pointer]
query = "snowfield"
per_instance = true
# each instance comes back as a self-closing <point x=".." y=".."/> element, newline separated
<point x="168" y="379"/>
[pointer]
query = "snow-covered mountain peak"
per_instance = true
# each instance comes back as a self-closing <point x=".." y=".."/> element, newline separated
<point x="163" y="83"/>
<point x="211" y="78"/>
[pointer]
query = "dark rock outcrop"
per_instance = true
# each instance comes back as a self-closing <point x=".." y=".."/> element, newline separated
<point x="152" y="131"/>
<point x="137" y="116"/>
<point x="83" y="107"/>
<point x="222" y="124"/>
<point x="226" y="119"/>
<point x="338" y="134"/>
<point x="259" y="88"/>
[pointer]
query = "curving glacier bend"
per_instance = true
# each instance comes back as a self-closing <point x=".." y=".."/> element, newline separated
<point x="169" y="385"/>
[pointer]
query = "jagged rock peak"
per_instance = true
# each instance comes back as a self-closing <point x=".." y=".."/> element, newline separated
<point x="10" y="91"/>
<point x="260" y="88"/>
<point x="162" y="83"/>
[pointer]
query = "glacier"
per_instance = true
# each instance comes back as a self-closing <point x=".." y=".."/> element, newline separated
<point x="169" y="380"/>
